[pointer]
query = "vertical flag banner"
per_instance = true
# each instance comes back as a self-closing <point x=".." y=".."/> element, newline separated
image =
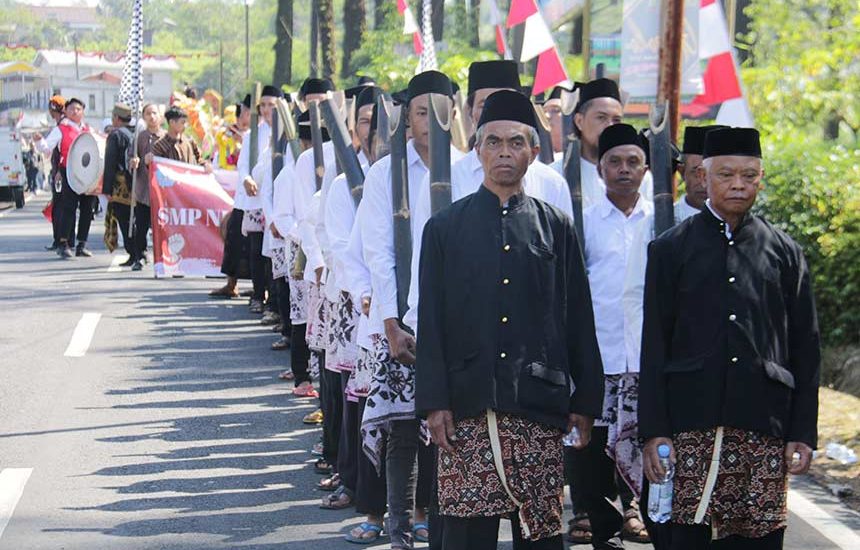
<point x="410" y="25"/>
<point x="722" y="83"/>
<point x="537" y="42"/>
<point x="428" y="55"/>
<point x="188" y="206"/>
<point x="131" y="85"/>
<point x="501" y="41"/>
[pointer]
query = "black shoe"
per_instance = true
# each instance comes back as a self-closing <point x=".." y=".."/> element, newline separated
<point x="52" y="248"/>
<point x="128" y="263"/>
<point x="137" y="266"/>
<point x="82" y="251"/>
<point x="65" y="253"/>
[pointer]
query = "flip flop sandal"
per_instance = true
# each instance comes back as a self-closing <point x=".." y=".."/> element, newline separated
<point x="634" y="530"/>
<point x="579" y="530"/>
<point x="330" y="484"/>
<point x="336" y="500"/>
<point x="421" y="527"/>
<point x="322" y="467"/>
<point x="287" y="375"/>
<point x="305" y="391"/>
<point x="366" y="528"/>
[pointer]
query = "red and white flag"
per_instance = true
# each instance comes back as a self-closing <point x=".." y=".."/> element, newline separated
<point x="188" y="206"/>
<point x="721" y="79"/>
<point x="410" y="25"/>
<point x="501" y="42"/>
<point x="537" y="42"/>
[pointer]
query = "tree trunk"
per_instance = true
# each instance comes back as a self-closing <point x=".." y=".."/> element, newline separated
<point x="577" y="38"/>
<point x="438" y="19"/>
<point x="474" y="23"/>
<point x="379" y="14"/>
<point x="327" y="45"/>
<point x="315" y="39"/>
<point x="354" y="25"/>
<point x="283" y="73"/>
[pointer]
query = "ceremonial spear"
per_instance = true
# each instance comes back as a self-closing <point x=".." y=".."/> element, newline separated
<point x="440" y="151"/>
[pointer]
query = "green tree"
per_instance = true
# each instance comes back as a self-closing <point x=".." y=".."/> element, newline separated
<point x="283" y="72"/>
<point x="354" y="27"/>
<point x="327" y="38"/>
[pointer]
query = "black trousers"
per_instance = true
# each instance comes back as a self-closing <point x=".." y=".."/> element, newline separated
<point x="483" y="534"/>
<point x="84" y="204"/>
<point x="300" y="354"/>
<point x="371" y="491"/>
<point x="596" y="486"/>
<point x="282" y="291"/>
<point x="698" y="537"/>
<point x="123" y="217"/>
<point x="257" y="264"/>
<point x="331" y="404"/>
<point x="56" y="213"/>
<point x="348" y="446"/>
<point x="236" y="248"/>
<point x="142" y="223"/>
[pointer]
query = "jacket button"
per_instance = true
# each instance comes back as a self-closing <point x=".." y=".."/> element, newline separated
<point x="731" y="243"/>
<point x="506" y="248"/>
<point x="504" y="212"/>
<point x="503" y="355"/>
<point x="506" y="281"/>
<point x="504" y="319"/>
<point x="731" y="279"/>
<point x="734" y="359"/>
<point x="732" y="317"/>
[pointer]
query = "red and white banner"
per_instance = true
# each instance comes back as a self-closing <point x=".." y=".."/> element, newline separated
<point x="187" y="208"/>
<point x="538" y="42"/>
<point x="410" y="26"/>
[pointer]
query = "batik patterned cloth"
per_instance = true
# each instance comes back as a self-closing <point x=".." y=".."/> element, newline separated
<point x="280" y="266"/>
<point x="391" y="397"/>
<point x="298" y="289"/>
<point x="358" y="385"/>
<point x="318" y="311"/>
<point x="620" y="408"/>
<point x="533" y="461"/>
<point x="749" y="495"/>
<point x="253" y="221"/>
<point x="344" y="324"/>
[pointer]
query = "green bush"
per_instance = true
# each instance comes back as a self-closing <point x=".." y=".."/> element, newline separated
<point x="812" y="191"/>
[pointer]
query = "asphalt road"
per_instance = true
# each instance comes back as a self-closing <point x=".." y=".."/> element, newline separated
<point x="170" y="430"/>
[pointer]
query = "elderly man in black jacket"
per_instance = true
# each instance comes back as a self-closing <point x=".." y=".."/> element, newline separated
<point x="507" y="358"/>
<point x="731" y="359"/>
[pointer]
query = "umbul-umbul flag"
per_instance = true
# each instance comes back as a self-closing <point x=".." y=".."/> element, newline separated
<point x="410" y="26"/>
<point x="131" y="85"/>
<point x="501" y="42"/>
<point x="721" y="79"/>
<point x="537" y="42"/>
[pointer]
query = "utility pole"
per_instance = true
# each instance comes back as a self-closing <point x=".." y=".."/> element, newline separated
<point x="77" y="68"/>
<point x="315" y="33"/>
<point x="247" y="40"/>
<point x="669" y="78"/>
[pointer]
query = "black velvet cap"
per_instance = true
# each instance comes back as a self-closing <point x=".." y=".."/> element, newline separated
<point x="620" y="134"/>
<point x="694" y="138"/>
<point x="429" y="82"/>
<point x="353" y="92"/>
<point x="508" y="105"/>
<point x="316" y="86"/>
<point x="454" y="88"/>
<point x="556" y="92"/>
<point x="400" y="97"/>
<point x="247" y="101"/>
<point x="271" y="91"/>
<point x="366" y="81"/>
<point x="742" y="142"/>
<point x="493" y="74"/>
<point x="601" y="87"/>
<point x="368" y="95"/>
<point x="304" y="123"/>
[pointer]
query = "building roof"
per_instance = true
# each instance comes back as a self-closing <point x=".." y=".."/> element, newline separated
<point x="16" y="67"/>
<point x="104" y="76"/>
<point x="71" y="16"/>
<point x="102" y="60"/>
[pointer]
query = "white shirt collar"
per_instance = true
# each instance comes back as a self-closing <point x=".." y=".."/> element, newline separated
<point x="606" y="208"/>
<point x="412" y="155"/>
<point x="728" y="229"/>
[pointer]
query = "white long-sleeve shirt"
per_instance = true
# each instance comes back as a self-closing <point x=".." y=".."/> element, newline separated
<point x="634" y="285"/>
<point x="609" y="239"/>
<point x="467" y="175"/>
<point x="50" y="142"/>
<point x="357" y="275"/>
<point x="241" y="200"/>
<point x="306" y="207"/>
<point x="340" y="210"/>
<point x="378" y="230"/>
<point x="683" y="210"/>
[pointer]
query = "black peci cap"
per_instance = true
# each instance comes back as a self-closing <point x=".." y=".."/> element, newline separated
<point x="429" y="82"/>
<point x="617" y="135"/>
<point x="493" y="74"/>
<point x="368" y="96"/>
<point x="271" y="91"/>
<point x="316" y="86"/>
<point x="742" y="142"/>
<point x="601" y="87"/>
<point x="508" y="105"/>
<point x="694" y="138"/>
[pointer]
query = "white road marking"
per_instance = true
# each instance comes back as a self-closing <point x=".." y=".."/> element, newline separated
<point x="834" y="530"/>
<point x="83" y="335"/>
<point x="114" y="264"/>
<point x="12" y="482"/>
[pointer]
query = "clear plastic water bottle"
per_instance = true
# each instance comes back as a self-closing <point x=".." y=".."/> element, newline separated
<point x="660" y="494"/>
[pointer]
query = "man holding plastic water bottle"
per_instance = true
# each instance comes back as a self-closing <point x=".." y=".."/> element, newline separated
<point x="730" y="362"/>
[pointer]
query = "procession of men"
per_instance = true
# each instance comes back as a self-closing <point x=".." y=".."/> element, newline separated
<point x="479" y="329"/>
